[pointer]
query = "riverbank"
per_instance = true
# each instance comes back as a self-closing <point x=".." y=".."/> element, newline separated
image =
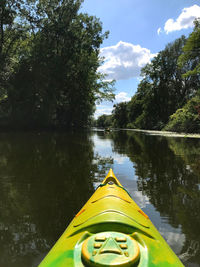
<point x="166" y="133"/>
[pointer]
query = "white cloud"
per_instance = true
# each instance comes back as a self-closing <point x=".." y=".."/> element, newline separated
<point x="174" y="239"/>
<point x="159" y="31"/>
<point x="124" y="60"/>
<point x="184" y="21"/>
<point x="139" y="198"/>
<point x="122" y="97"/>
<point x="102" y="109"/>
<point x="119" y="159"/>
<point x="107" y="109"/>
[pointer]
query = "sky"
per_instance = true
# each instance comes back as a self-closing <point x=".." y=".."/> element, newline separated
<point x="139" y="29"/>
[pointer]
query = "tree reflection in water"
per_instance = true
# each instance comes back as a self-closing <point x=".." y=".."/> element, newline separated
<point x="168" y="171"/>
<point x="39" y="175"/>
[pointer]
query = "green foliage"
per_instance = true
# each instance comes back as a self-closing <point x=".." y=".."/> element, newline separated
<point x="165" y="90"/>
<point x="120" y="115"/>
<point x="135" y="107"/>
<point x="186" y="119"/>
<point x="191" y="52"/>
<point x="104" y="121"/>
<point x="12" y="35"/>
<point x="54" y="81"/>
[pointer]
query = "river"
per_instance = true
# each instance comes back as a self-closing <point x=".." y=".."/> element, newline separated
<point x="45" y="178"/>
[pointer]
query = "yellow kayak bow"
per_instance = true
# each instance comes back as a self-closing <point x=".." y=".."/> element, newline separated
<point x="111" y="230"/>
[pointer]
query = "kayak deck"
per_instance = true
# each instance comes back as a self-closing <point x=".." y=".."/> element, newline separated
<point x="111" y="230"/>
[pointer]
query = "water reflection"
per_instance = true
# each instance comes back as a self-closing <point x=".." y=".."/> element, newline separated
<point x="46" y="178"/>
<point x="168" y="175"/>
<point x="44" y="181"/>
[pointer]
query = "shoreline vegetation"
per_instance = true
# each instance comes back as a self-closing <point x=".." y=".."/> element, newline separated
<point x="152" y="132"/>
<point x="168" y="96"/>
<point x="166" y="133"/>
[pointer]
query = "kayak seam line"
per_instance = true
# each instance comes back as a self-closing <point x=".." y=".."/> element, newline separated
<point x="113" y="211"/>
<point x="111" y="196"/>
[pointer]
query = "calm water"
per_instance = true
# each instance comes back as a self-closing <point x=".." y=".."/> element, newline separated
<point x="46" y="178"/>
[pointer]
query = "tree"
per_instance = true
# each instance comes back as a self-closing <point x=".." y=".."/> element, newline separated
<point x="163" y="89"/>
<point x="134" y="108"/>
<point x="120" y="115"/>
<point x="104" y="121"/>
<point x="55" y="81"/>
<point x="11" y="35"/>
<point x="190" y="58"/>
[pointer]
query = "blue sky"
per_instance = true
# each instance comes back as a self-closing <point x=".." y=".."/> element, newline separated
<point x="138" y="30"/>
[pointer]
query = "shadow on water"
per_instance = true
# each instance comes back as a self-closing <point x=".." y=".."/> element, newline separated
<point x="46" y="178"/>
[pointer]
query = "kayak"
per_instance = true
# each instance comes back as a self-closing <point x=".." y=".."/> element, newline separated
<point x="111" y="230"/>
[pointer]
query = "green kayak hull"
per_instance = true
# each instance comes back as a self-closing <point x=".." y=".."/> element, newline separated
<point x="111" y="230"/>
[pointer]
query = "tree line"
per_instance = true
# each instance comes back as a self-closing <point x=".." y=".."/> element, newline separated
<point x="49" y="59"/>
<point x="168" y="96"/>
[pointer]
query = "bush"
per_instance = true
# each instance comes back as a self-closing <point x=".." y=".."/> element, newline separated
<point x="131" y="125"/>
<point x="186" y="119"/>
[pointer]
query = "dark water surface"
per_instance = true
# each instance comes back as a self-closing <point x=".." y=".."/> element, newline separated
<point x="46" y="178"/>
